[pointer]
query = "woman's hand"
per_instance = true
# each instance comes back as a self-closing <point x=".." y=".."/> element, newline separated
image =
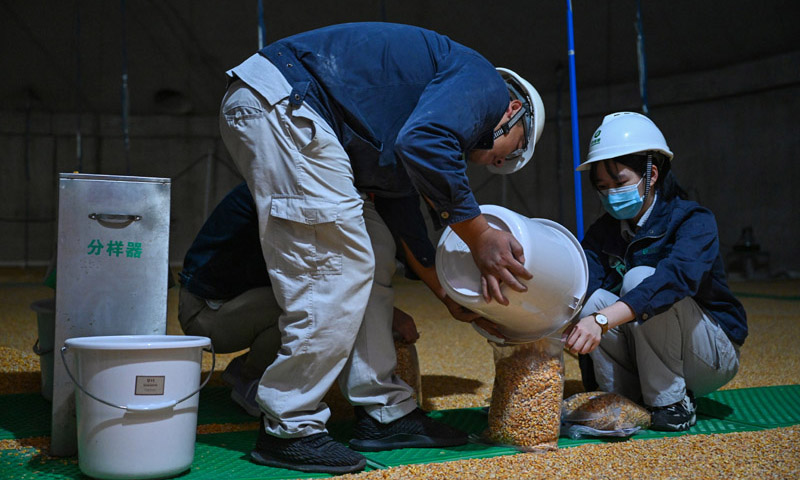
<point x="582" y="336"/>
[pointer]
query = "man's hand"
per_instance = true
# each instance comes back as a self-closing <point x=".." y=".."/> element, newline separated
<point x="463" y="314"/>
<point x="500" y="259"/>
<point x="460" y="313"/>
<point x="498" y="256"/>
<point x="403" y="326"/>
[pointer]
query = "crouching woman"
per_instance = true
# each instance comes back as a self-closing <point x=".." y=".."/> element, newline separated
<point x="660" y="325"/>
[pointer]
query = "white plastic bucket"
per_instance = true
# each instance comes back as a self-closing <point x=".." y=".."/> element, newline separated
<point x="136" y="403"/>
<point x="555" y="293"/>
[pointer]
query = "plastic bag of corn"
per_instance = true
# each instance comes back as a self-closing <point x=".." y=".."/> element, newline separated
<point x="525" y="409"/>
<point x="408" y="367"/>
<point x="602" y="414"/>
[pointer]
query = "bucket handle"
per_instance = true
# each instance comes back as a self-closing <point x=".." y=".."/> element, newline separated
<point x="37" y="349"/>
<point x="142" y="408"/>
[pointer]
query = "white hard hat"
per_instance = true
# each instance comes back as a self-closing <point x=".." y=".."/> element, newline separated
<point x="520" y="89"/>
<point x="624" y="133"/>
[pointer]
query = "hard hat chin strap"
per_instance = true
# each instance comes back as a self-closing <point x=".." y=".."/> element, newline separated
<point x="647" y="174"/>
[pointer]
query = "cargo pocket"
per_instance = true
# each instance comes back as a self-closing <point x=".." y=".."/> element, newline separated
<point x="706" y="340"/>
<point x="302" y="129"/>
<point x="305" y="236"/>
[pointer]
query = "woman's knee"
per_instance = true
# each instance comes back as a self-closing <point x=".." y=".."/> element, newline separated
<point x="634" y="277"/>
<point x="597" y="300"/>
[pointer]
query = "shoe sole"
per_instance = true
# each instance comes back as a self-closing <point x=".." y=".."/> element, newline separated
<point x="404" y="440"/>
<point x="261" y="459"/>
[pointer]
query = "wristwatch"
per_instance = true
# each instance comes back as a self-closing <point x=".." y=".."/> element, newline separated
<point x="601" y="320"/>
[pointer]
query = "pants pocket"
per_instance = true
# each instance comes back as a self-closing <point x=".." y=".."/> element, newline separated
<point x="302" y="129"/>
<point x="304" y="236"/>
<point x="706" y="343"/>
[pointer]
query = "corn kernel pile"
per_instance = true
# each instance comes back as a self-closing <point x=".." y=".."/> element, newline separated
<point x="771" y="453"/>
<point x="525" y="410"/>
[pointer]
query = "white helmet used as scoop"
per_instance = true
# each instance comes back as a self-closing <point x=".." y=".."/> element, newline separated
<point x="532" y="114"/>
<point x="624" y="133"/>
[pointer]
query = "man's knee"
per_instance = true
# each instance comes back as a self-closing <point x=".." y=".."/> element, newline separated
<point x="189" y="306"/>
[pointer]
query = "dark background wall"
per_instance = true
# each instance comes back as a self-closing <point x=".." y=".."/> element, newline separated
<point x="723" y="85"/>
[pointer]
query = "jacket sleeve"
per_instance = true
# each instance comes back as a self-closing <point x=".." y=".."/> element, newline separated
<point x="680" y="273"/>
<point x="465" y="99"/>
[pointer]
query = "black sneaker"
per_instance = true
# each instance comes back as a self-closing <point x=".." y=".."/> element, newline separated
<point x="318" y="453"/>
<point x="415" y="430"/>
<point x="676" y="417"/>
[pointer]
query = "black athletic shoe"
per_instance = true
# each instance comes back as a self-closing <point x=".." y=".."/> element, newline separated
<point x="317" y="453"/>
<point x="415" y="430"/>
<point x="676" y="417"/>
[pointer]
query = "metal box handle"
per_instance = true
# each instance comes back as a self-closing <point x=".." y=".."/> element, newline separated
<point x="113" y="220"/>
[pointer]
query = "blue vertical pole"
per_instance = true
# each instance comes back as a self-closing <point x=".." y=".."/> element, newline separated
<point x="642" y="58"/>
<point x="262" y="28"/>
<point x="573" y="101"/>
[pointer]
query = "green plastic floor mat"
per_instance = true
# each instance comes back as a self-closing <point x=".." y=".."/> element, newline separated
<point x="226" y="455"/>
<point x="763" y="407"/>
<point x="24" y="415"/>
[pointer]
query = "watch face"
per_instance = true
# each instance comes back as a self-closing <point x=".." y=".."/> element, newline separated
<point x="601" y="319"/>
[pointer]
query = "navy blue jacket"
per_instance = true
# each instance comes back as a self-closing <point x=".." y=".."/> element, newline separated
<point x="680" y="241"/>
<point x="225" y="259"/>
<point x="405" y="102"/>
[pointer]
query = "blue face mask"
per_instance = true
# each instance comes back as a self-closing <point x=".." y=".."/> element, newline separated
<point x="622" y="203"/>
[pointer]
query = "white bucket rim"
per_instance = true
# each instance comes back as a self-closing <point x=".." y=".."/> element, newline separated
<point x="137" y="342"/>
<point x="578" y="247"/>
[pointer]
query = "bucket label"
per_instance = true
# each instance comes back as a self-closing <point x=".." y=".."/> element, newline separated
<point x="149" y="385"/>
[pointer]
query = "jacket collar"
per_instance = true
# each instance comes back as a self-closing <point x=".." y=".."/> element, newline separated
<point x="655" y="226"/>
